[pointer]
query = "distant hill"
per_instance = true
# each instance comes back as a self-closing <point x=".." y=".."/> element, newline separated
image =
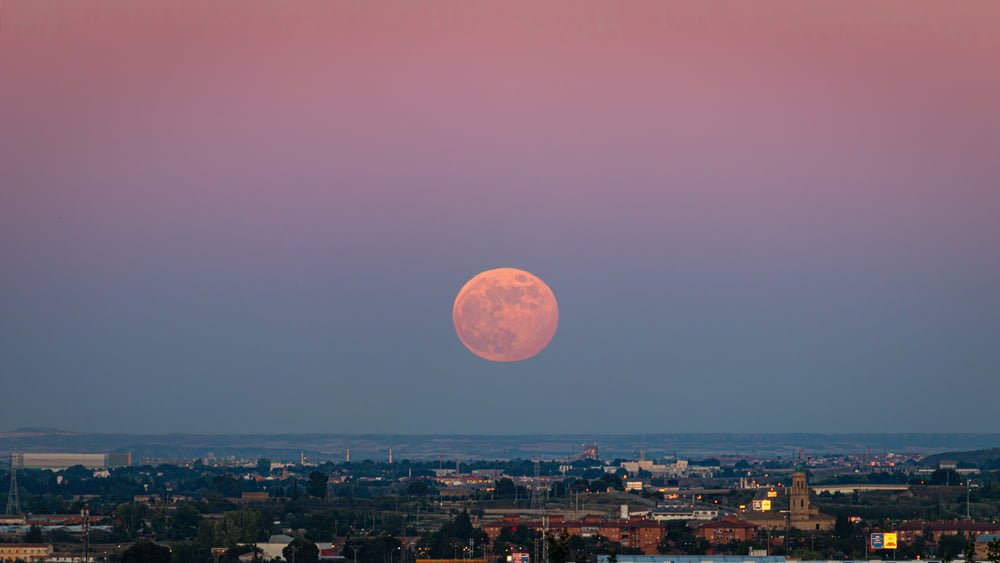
<point x="983" y="459"/>
<point x="333" y="446"/>
<point x="34" y="431"/>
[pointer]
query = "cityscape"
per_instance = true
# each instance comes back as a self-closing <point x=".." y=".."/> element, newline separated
<point x="863" y="505"/>
<point x="499" y="281"/>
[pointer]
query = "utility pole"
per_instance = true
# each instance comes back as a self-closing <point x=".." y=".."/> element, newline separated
<point x="536" y="486"/>
<point x="968" y="488"/>
<point x="545" y="546"/>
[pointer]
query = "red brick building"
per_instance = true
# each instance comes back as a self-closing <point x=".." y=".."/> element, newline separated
<point x="639" y="534"/>
<point x="910" y="531"/>
<point x="727" y="530"/>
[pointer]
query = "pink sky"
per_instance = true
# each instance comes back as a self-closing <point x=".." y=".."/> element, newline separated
<point x="837" y="160"/>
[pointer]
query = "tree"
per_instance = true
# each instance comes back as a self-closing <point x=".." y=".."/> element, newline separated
<point x="419" y="488"/>
<point x="843" y="528"/>
<point x="453" y="536"/>
<point x="237" y="526"/>
<point x="607" y="481"/>
<point x="461" y="526"/>
<point x="993" y="550"/>
<point x="227" y="486"/>
<point x="34" y="535"/>
<point x="301" y="551"/>
<point x="186" y="521"/>
<point x="264" y="466"/>
<point x="146" y="552"/>
<point x="505" y="488"/>
<point x="558" y="547"/>
<point x="317" y="484"/>
<point x="129" y="518"/>
<point x="189" y="552"/>
<point x="681" y="537"/>
<point x="373" y="549"/>
<point x="518" y="538"/>
<point x="951" y="546"/>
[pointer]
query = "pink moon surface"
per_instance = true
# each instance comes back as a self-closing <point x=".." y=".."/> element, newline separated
<point x="505" y="315"/>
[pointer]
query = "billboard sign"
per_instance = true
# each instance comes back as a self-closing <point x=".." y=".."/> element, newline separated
<point x="884" y="540"/>
<point x="519" y="558"/>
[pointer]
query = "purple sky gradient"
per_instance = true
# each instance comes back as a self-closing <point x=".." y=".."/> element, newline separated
<point x="209" y="211"/>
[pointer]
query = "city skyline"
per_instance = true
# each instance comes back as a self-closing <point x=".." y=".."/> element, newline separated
<point x="256" y="218"/>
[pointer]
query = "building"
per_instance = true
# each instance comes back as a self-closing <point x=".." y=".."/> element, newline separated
<point x="696" y="559"/>
<point x="680" y="510"/>
<point x="723" y="559"/>
<point x="57" y="461"/>
<point x="859" y="488"/>
<point x="801" y="514"/>
<point x="678" y="468"/>
<point x="983" y="546"/>
<point x="254" y="497"/>
<point x="727" y="530"/>
<point x="273" y="548"/>
<point x="25" y="551"/>
<point x="933" y="531"/>
<point x="637" y="533"/>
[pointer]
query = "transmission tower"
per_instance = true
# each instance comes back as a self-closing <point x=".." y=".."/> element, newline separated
<point x="14" y="497"/>
<point x="536" y="486"/>
<point x="85" y="515"/>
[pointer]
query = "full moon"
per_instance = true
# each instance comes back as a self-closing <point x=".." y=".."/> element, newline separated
<point x="505" y="315"/>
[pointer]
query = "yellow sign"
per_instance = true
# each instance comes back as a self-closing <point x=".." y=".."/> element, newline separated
<point x="890" y="540"/>
<point x="772" y="494"/>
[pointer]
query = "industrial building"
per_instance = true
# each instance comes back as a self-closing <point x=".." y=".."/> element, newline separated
<point x="25" y="551"/>
<point x="56" y="461"/>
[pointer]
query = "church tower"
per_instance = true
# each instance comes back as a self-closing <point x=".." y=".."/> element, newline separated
<point x="799" y="498"/>
<point x="801" y="515"/>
